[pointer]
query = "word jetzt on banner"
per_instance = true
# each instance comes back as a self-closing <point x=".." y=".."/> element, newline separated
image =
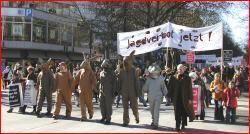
<point x="170" y="35"/>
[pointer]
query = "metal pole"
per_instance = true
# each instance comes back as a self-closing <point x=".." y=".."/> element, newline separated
<point x="47" y="31"/>
<point x="166" y="58"/>
<point x="222" y="55"/>
<point x="31" y="36"/>
<point x="72" y="45"/>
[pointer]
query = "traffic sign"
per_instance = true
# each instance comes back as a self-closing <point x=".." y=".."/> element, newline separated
<point x="228" y="55"/>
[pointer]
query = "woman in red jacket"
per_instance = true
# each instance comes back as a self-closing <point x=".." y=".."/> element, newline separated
<point x="230" y="101"/>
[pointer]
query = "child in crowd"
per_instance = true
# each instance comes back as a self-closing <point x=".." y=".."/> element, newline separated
<point x="230" y="101"/>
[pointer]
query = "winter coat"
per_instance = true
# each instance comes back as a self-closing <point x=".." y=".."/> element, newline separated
<point x="8" y="73"/>
<point x="230" y="97"/>
<point x="216" y="87"/>
<point x="155" y="88"/>
<point x="184" y="84"/>
<point x="239" y="81"/>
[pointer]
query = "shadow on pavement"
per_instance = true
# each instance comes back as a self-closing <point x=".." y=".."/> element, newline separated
<point x="222" y="122"/>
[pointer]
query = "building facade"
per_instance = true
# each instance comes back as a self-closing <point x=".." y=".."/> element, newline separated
<point x="42" y="29"/>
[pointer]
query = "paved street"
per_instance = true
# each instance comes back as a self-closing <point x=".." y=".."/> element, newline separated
<point x="15" y="122"/>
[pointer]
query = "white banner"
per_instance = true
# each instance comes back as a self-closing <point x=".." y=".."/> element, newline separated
<point x="15" y="95"/>
<point x="196" y="39"/>
<point x="143" y="41"/>
<point x="30" y="94"/>
<point x="236" y="61"/>
<point x="170" y="35"/>
<point x="208" y="58"/>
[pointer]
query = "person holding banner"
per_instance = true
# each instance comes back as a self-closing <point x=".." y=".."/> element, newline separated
<point x="30" y="83"/>
<point x="156" y="89"/>
<point x="197" y="81"/>
<point x="63" y="86"/>
<point x="45" y="85"/>
<point x="17" y="78"/>
<point x="180" y="89"/>
<point x="216" y="87"/>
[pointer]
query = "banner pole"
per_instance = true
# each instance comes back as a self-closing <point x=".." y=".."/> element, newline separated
<point x="166" y="58"/>
<point x="222" y="54"/>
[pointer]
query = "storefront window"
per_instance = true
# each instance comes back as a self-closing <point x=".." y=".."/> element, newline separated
<point x="66" y="33"/>
<point x="81" y="37"/>
<point x="17" y="28"/>
<point x="39" y="30"/>
<point x="53" y="33"/>
<point x="17" y="32"/>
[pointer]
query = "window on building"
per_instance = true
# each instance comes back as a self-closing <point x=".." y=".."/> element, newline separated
<point x="53" y="33"/>
<point x="39" y="30"/>
<point x="5" y="4"/>
<point x="16" y="29"/>
<point x="66" y="34"/>
<point x="81" y="37"/>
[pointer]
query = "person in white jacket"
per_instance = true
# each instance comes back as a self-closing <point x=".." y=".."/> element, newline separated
<point x="156" y="89"/>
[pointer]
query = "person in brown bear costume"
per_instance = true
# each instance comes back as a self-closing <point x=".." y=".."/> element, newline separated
<point x="63" y="86"/>
<point x="128" y="86"/>
<point x="87" y="82"/>
<point x="107" y="91"/>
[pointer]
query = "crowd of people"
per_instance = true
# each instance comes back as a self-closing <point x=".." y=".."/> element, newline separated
<point x="129" y="83"/>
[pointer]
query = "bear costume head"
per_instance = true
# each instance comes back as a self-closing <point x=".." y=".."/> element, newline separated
<point x="128" y="61"/>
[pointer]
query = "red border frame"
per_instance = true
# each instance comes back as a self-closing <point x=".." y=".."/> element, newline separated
<point x="125" y="1"/>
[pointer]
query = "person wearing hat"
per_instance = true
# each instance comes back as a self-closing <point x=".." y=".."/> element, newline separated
<point x="86" y="80"/>
<point x="156" y="89"/>
<point x="107" y="91"/>
<point x="128" y="85"/>
<point x="180" y="89"/>
<point x="45" y="86"/>
<point x="63" y="86"/>
<point x="31" y="78"/>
